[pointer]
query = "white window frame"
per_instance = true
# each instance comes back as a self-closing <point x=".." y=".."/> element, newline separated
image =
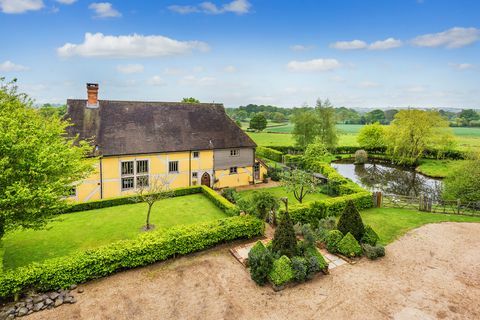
<point x="194" y="175"/>
<point x="234" y="171"/>
<point x="234" y="152"/>
<point x="135" y="175"/>
<point x="178" y="165"/>
<point x="197" y="154"/>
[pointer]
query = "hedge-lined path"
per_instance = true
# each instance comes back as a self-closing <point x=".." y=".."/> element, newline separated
<point x="432" y="272"/>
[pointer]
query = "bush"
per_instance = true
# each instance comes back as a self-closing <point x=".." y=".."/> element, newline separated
<point x="370" y="236"/>
<point x="274" y="173"/>
<point x="262" y="203"/>
<point x="264" y="152"/>
<point x="299" y="268"/>
<point x="230" y="194"/>
<point x="308" y="235"/>
<point x="297" y="228"/>
<point x="321" y="234"/>
<point x="147" y="248"/>
<point x="284" y="240"/>
<point x="373" y="252"/>
<point x="351" y="222"/>
<point x="260" y="262"/>
<point x="312" y="252"/>
<point x="349" y="246"/>
<point x="328" y="223"/>
<point x="361" y="156"/>
<point x="281" y="271"/>
<point x="225" y="205"/>
<point x="333" y="238"/>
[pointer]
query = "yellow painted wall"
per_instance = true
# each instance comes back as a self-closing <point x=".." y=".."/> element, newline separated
<point x="244" y="176"/>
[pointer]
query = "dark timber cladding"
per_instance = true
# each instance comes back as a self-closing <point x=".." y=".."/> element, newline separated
<point x="223" y="158"/>
<point x="131" y="127"/>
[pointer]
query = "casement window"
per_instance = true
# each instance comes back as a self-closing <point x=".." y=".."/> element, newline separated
<point x="234" y="152"/>
<point x="173" y="166"/>
<point x="196" y="154"/>
<point x="233" y="170"/>
<point x="134" y="174"/>
<point x="194" y="175"/>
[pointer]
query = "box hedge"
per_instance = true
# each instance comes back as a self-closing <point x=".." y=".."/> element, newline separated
<point x="269" y="153"/>
<point x="220" y="201"/>
<point x="126" y="254"/>
<point x="349" y="246"/>
<point x="281" y="271"/>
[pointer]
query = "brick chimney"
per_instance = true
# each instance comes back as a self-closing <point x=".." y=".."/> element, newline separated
<point x="92" y="93"/>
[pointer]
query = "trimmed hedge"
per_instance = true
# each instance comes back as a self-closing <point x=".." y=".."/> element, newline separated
<point x="287" y="149"/>
<point x="269" y="153"/>
<point x="370" y="237"/>
<point x="225" y="205"/>
<point x="281" y="271"/>
<point x="105" y="203"/>
<point x="349" y="246"/>
<point x="333" y="238"/>
<point x="126" y="254"/>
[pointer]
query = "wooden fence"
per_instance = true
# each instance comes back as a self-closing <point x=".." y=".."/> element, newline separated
<point x="426" y="204"/>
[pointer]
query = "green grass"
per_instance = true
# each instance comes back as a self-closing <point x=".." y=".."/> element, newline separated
<point x="272" y="139"/>
<point x="93" y="228"/>
<point x="280" y="192"/>
<point x="437" y="168"/>
<point x="392" y="223"/>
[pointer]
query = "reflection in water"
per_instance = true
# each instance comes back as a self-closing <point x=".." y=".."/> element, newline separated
<point x="390" y="179"/>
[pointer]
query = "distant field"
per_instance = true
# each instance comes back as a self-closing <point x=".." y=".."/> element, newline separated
<point x="467" y="138"/>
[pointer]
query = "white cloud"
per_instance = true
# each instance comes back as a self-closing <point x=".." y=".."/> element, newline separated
<point x="230" y="69"/>
<point x="66" y="1"/>
<point x="20" y="6"/>
<point x="368" y="84"/>
<point x="104" y="10"/>
<point x="315" y="65"/>
<point x="135" y="45"/>
<point x="192" y="80"/>
<point x="156" y="81"/>
<point x="300" y="47"/>
<point x="130" y="68"/>
<point x="453" y="38"/>
<point x="9" y="66"/>
<point x="236" y="6"/>
<point x="349" y="45"/>
<point x="462" y="66"/>
<point x="386" y="44"/>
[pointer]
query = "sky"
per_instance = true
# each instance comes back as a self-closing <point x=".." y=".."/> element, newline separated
<point x="357" y="53"/>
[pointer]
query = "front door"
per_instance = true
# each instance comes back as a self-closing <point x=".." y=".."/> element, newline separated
<point x="206" y="179"/>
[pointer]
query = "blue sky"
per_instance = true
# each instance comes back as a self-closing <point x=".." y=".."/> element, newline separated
<point x="358" y="53"/>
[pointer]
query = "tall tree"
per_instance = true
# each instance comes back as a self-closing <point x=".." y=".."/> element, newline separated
<point x="414" y="131"/>
<point x="326" y="128"/>
<point x="371" y="136"/>
<point x="304" y="127"/>
<point x="258" y="122"/>
<point x="463" y="182"/>
<point x="38" y="164"/>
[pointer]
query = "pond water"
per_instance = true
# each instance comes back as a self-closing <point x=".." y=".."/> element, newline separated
<point x="390" y="179"/>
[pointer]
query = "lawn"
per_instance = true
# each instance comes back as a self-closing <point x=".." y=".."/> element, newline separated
<point x="93" y="228"/>
<point x="280" y="192"/>
<point x="437" y="168"/>
<point x="392" y="223"/>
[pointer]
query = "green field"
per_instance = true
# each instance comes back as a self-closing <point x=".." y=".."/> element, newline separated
<point x="391" y="223"/>
<point x="93" y="228"/>
<point x="437" y="168"/>
<point x="279" y="192"/>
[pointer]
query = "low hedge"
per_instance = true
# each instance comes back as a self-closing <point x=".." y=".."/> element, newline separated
<point x="126" y="254"/>
<point x="269" y="153"/>
<point x="288" y="149"/>
<point x="225" y="205"/>
<point x="105" y="203"/>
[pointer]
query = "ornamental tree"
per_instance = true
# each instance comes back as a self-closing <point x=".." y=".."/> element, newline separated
<point x="371" y="136"/>
<point x="39" y="164"/>
<point x="298" y="182"/>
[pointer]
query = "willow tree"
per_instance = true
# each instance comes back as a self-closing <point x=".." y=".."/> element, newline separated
<point x="414" y="131"/>
<point x="39" y="164"/>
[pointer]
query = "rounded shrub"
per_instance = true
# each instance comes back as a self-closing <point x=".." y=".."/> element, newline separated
<point x="349" y="246"/>
<point x="230" y="194"/>
<point x="370" y="236"/>
<point x="260" y="262"/>
<point x="351" y="221"/>
<point x="308" y="235"/>
<point x="361" y="156"/>
<point x="281" y="271"/>
<point x="299" y="267"/>
<point x="374" y="252"/>
<point x="333" y="238"/>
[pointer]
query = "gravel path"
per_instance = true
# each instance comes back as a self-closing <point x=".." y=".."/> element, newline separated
<point x="431" y="273"/>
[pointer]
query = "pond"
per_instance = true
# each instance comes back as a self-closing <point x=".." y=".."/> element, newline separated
<point x="390" y="179"/>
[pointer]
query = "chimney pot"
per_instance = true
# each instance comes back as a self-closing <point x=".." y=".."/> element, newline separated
<point x="92" y="94"/>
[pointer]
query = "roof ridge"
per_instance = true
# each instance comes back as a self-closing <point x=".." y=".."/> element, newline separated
<point x="164" y="102"/>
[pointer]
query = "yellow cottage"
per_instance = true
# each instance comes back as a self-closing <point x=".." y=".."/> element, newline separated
<point x="134" y="141"/>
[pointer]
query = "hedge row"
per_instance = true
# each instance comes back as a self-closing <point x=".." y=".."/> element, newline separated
<point x="104" y="203"/>
<point x="269" y="153"/>
<point x="225" y="205"/>
<point x="287" y="149"/>
<point x="143" y="250"/>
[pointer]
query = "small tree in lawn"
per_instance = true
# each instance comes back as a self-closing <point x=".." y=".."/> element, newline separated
<point x="351" y="221"/>
<point x="152" y="191"/>
<point x="284" y="241"/>
<point x="258" y="122"/>
<point x="298" y="182"/>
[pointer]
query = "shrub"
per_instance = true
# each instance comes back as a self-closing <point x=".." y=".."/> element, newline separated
<point x="284" y="240"/>
<point x="260" y="262"/>
<point x="281" y="271"/>
<point x="333" y="238"/>
<point x="274" y="173"/>
<point x="361" y="156"/>
<point x="2" y="252"/>
<point x="299" y="268"/>
<point x="349" y="246"/>
<point x="351" y="222"/>
<point x="370" y="236"/>
<point x="308" y="235"/>
<point x="297" y="227"/>
<point x="328" y="223"/>
<point x="225" y="205"/>
<point x="262" y="203"/>
<point x="230" y="194"/>
<point x="313" y="252"/>
<point x="321" y="234"/>
<point x="147" y="248"/>
<point x="264" y="152"/>
<point x="373" y="252"/>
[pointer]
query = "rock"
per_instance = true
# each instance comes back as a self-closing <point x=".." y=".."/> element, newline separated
<point x="73" y="287"/>
<point x="37" y="299"/>
<point x="10" y="310"/>
<point x="73" y="300"/>
<point x="38" y="306"/>
<point x="20" y="304"/>
<point x="80" y="290"/>
<point x="67" y="299"/>
<point x="22" y="311"/>
<point x="58" y="302"/>
<point x="30" y="312"/>
<point x="53" y="295"/>
<point x="28" y="299"/>
<point x="48" y="301"/>
<point x="44" y="297"/>
<point x="11" y="316"/>
<point x="29" y="305"/>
